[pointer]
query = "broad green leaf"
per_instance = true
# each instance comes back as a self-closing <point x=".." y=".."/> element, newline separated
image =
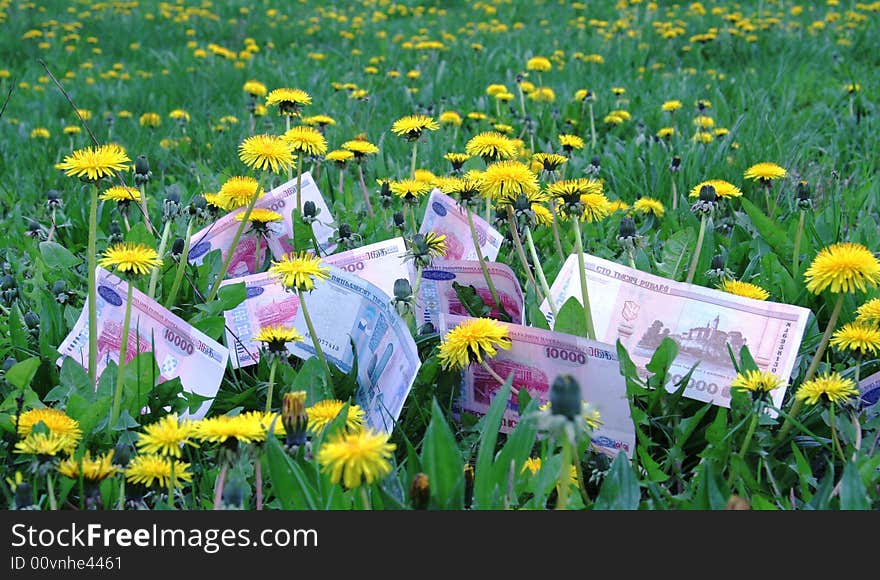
<point x="213" y="326"/>
<point x="289" y="483"/>
<point x="231" y="295"/>
<point x="570" y="318"/>
<point x="57" y="257"/>
<point x="677" y="250"/>
<point x="853" y="495"/>
<point x="484" y="480"/>
<point x="21" y="374"/>
<point x="769" y="230"/>
<point x="442" y="462"/>
<point x="655" y="472"/>
<point x="139" y="234"/>
<point x="620" y="490"/>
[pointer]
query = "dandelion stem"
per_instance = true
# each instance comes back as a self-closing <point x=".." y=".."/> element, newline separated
<point x="834" y="437"/>
<point x="315" y="342"/>
<point x="592" y="129"/>
<point x="219" y="485"/>
<point x="795" y="256"/>
<point x="53" y="504"/>
<point x="814" y="364"/>
<point x="52" y="227"/>
<point x="564" y="471"/>
<point x="93" y="286"/>
<point x="482" y="260"/>
<point x="545" y="288"/>
<point x="299" y="167"/>
<point x="171" y="483"/>
<point x="485" y="364"/>
<point x="747" y="440"/>
<point x="411" y="210"/>
<point x="120" y="505"/>
<point x="555" y="225"/>
<point x="228" y="259"/>
<point x="123" y="354"/>
<point x="585" y="296"/>
<point x="520" y="252"/>
<point x="287" y="128"/>
<point x="674" y="195"/>
<point x="488" y="210"/>
<point x="258" y="483"/>
<point x="146" y="213"/>
<point x="364" y="189"/>
<point x="412" y="162"/>
<point x="365" y="498"/>
<point x="181" y="267"/>
<point x="341" y="182"/>
<point x="697" y="248"/>
<point x="271" y="386"/>
<point x="163" y="244"/>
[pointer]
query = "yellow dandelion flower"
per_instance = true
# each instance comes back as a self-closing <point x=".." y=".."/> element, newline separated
<point x="495" y="89"/>
<point x="666" y="132"/>
<point x="46" y="444"/>
<point x="450" y="118"/>
<point x="745" y="289"/>
<point x="857" y="336"/>
<point x="542" y="95"/>
<point x="756" y="382"/>
<point x="671" y="106"/>
<point x="261" y="216"/>
<point x="237" y="191"/>
<point x="40" y="133"/>
<point x="456" y="159"/>
<point x="339" y="156"/>
<point x="151" y="120"/>
<point x="472" y="341"/>
<point x="121" y="194"/>
<point x="649" y="205"/>
<point x="276" y="337"/>
<point x="288" y="101"/>
<point x="830" y="387"/>
<point x="299" y="271"/>
<point x="869" y="311"/>
<point x="491" y="146"/>
<point x="243" y="428"/>
<point x="410" y="189"/>
<point x="319" y="120"/>
<point x="266" y="153"/>
<point x="92" y="470"/>
<point x="255" y="88"/>
<point x="166" y="436"/>
<point x="323" y="413"/>
<point x="56" y="421"/>
<point x="543" y="216"/>
<point x="355" y="457"/>
<point x="539" y="64"/>
<point x="505" y="180"/>
<point x="549" y="161"/>
<point x="149" y="470"/>
<point x="360" y="148"/>
<point x="596" y="207"/>
<point x="179" y="115"/>
<point x="424" y="175"/>
<point x="723" y="189"/>
<point x="94" y="163"/>
<point x="844" y="267"/>
<point x="306" y="140"/>
<point x="617" y="205"/>
<point x="571" y="142"/>
<point x="131" y="258"/>
<point x="532" y="464"/>
<point x="764" y="172"/>
<point x="411" y="127"/>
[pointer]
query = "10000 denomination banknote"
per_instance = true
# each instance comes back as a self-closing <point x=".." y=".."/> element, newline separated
<point x="444" y="216"/>
<point x="180" y="350"/>
<point x="381" y="263"/>
<point x="536" y="358"/>
<point x="641" y="310"/>
<point x="282" y="199"/>
<point x="436" y="293"/>
<point x="345" y="309"/>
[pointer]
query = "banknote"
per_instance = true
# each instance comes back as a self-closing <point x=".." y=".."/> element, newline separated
<point x="381" y="263"/>
<point x="641" y="310"/>
<point x="282" y="199"/>
<point x="436" y="293"/>
<point x="180" y="350"/>
<point x="444" y="216"/>
<point x="345" y="310"/>
<point x="536" y="358"/>
<point x="869" y="388"/>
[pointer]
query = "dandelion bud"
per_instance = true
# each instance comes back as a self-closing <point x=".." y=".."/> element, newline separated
<point x="399" y="221"/>
<point x="115" y="233"/>
<point x="23" y="497"/>
<point x="233" y="492"/>
<point x="7" y="282"/>
<point x="33" y="228"/>
<point x="675" y="164"/>
<point x="344" y="231"/>
<point x="171" y="205"/>
<point x="737" y="503"/>
<point x="707" y="193"/>
<point x="627" y="229"/>
<point x="468" y="485"/>
<point x="310" y="211"/>
<point x="53" y="199"/>
<point x="121" y="454"/>
<point x="59" y="290"/>
<point x="565" y="397"/>
<point x="385" y="190"/>
<point x="589" y="96"/>
<point x="420" y="491"/>
<point x="177" y="247"/>
<point x="402" y="289"/>
<point x="294" y="417"/>
<point x="198" y="207"/>
<point x="804" y="197"/>
<point x="142" y="165"/>
<point x="32" y="320"/>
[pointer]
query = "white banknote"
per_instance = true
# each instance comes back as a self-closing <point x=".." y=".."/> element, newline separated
<point x="343" y="309"/>
<point x="282" y="199"/>
<point x="180" y="350"/>
<point x="641" y="309"/>
<point x="869" y="387"/>
<point x="444" y="216"/>
<point x="381" y="263"/>
<point x="536" y="358"/>
<point x="436" y="293"/>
